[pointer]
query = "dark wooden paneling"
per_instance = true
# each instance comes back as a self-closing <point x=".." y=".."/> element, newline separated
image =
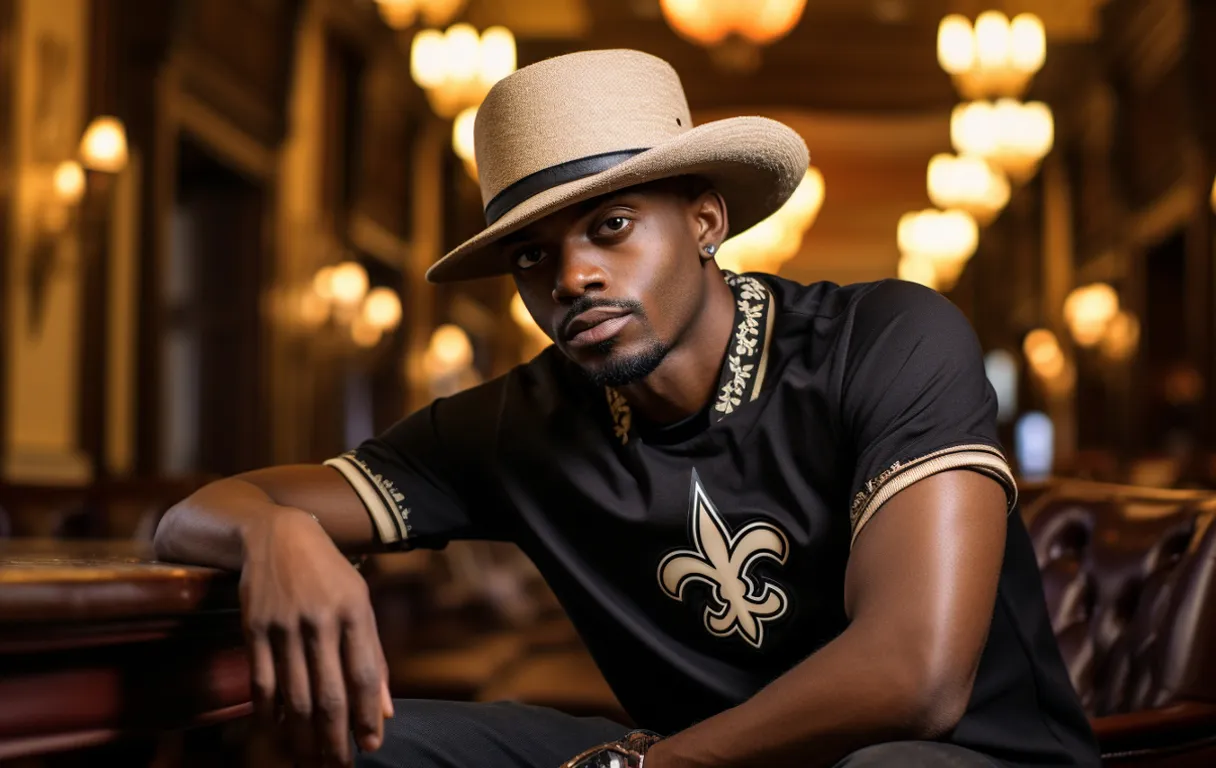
<point x="237" y="56"/>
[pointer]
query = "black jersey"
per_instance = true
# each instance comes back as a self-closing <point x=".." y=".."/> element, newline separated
<point x="701" y="560"/>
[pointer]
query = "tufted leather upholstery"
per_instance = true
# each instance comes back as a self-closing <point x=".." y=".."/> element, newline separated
<point x="1130" y="580"/>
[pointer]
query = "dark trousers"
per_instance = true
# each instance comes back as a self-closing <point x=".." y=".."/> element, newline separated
<point x="446" y="734"/>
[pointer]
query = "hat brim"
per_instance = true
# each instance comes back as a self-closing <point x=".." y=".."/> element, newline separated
<point x="755" y="164"/>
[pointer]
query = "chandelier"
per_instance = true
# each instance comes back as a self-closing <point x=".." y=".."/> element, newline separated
<point x="458" y="67"/>
<point x="709" y="22"/>
<point x="768" y="245"/>
<point x="968" y="183"/>
<point x="1013" y="136"/>
<point x="400" y="14"/>
<point x="339" y="294"/>
<point x="935" y="246"/>
<point x="995" y="58"/>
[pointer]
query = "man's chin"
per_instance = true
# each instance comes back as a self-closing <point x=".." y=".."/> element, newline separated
<point x="607" y="365"/>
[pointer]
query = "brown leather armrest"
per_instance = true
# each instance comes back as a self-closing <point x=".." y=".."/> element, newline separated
<point x="1180" y="726"/>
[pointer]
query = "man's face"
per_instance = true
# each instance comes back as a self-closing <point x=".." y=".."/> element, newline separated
<point x="617" y="280"/>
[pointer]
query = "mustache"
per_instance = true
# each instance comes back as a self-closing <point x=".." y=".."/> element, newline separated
<point x="585" y="303"/>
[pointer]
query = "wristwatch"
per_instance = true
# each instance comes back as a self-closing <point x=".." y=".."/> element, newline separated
<point x="629" y="751"/>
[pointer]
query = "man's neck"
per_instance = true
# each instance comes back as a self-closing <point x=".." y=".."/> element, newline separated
<point x="687" y="379"/>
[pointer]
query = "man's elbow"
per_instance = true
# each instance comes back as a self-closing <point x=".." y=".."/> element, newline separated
<point x="935" y="701"/>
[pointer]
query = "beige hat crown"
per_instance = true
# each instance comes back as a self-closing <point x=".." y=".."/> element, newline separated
<point x="561" y="111"/>
<point x="585" y="124"/>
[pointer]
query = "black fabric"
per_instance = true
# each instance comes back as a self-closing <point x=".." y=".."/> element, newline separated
<point x="642" y="541"/>
<point x="445" y="734"/>
<point x="916" y="754"/>
<point x="448" y="734"/>
<point x="555" y="175"/>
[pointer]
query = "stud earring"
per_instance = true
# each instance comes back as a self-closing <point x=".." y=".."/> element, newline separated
<point x="711" y="249"/>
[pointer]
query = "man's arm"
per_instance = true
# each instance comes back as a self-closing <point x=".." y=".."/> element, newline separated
<point x="308" y="619"/>
<point x="920" y="589"/>
<point x="211" y="526"/>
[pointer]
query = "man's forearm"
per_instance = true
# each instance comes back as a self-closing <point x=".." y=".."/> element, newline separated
<point x="209" y="527"/>
<point x="856" y="691"/>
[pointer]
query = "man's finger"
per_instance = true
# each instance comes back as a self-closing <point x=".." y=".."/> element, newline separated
<point x="291" y="669"/>
<point x="330" y="720"/>
<point x="261" y="676"/>
<point x="365" y="682"/>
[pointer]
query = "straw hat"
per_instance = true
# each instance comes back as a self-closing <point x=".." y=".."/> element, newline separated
<point x="574" y="127"/>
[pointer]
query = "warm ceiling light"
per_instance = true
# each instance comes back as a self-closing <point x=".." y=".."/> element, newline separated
<point x="458" y="67"/>
<point x="917" y="269"/>
<point x="400" y="14"/>
<point x="1122" y="336"/>
<point x="768" y="245"/>
<point x="462" y="139"/>
<point x="104" y="145"/>
<point x="996" y="57"/>
<point x="946" y="239"/>
<point x="449" y="351"/>
<point x="1044" y="355"/>
<point x="382" y="308"/>
<point x="1013" y="136"/>
<point x="69" y="182"/>
<point x="710" y="22"/>
<point x="1089" y="310"/>
<point x="968" y="183"/>
<point x="348" y="283"/>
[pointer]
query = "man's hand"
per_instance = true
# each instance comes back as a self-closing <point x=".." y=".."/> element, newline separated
<point x="312" y="639"/>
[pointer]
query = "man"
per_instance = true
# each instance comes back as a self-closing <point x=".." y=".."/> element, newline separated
<point x="778" y="514"/>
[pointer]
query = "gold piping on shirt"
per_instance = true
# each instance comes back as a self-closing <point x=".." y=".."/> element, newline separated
<point x="372" y="496"/>
<point x="768" y="337"/>
<point x="901" y="475"/>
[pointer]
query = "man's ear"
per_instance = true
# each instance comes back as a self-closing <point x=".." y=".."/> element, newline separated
<point x="712" y="224"/>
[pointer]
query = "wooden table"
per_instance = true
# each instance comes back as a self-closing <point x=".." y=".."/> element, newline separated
<point x="98" y="643"/>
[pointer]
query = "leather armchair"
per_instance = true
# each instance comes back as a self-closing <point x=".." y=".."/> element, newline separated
<point x="1130" y="580"/>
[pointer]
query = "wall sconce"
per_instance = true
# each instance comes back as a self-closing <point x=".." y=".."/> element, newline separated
<point x="401" y="14"/>
<point x="1214" y="196"/>
<point x="1013" y="136"/>
<point x="767" y="246"/>
<point x="945" y="240"/>
<point x="968" y="183"/>
<point x="458" y="67"/>
<point x="104" y="145"/>
<point x="994" y="58"/>
<point x="1089" y="310"/>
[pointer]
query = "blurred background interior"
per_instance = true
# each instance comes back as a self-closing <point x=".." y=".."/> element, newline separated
<point x="215" y="216"/>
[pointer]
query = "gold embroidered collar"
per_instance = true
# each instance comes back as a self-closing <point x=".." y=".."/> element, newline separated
<point x="746" y="358"/>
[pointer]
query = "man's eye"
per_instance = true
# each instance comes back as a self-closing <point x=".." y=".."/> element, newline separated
<point x="529" y="258"/>
<point x="616" y="223"/>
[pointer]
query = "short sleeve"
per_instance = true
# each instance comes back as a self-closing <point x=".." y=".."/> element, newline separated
<point x="915" y="397"/>
<point x="421" y="480"/>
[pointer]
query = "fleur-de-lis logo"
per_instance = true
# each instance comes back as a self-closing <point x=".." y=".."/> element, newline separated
<point x="739" y="603"/>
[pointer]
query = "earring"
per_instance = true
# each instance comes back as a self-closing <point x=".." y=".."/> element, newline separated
<point x="711" y="248"/>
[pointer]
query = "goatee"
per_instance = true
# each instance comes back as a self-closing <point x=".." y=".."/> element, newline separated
<point x="619" y="370"/>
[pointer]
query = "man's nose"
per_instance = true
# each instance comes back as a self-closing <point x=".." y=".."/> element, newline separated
<point x="580" y="271"/>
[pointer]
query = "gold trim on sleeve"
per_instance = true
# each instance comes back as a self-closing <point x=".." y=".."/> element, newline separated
<point x="981" y="458"/>
<point x="389" y="527"/>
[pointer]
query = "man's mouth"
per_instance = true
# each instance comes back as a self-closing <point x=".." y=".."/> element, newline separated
<point x="595" y="326"/>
